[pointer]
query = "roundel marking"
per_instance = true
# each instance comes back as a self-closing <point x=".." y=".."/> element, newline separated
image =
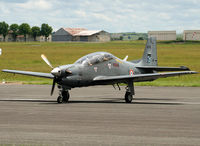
<point x="131" y="72"/>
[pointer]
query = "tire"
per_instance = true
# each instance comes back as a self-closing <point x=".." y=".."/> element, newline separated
<point x="65" y="95"/>
<point x="128" y="97"/>
<point x="60" y="99"/>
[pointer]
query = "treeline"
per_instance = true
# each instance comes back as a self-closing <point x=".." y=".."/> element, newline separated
<point x="25" y="29"/>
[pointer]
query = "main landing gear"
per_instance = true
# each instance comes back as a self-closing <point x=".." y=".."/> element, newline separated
<point x="128" y="97"/>
<point x="63" y="96"/>
<point x="129" y="92"/>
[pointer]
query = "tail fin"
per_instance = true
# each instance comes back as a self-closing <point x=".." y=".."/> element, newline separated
<point x="150" y="53"/>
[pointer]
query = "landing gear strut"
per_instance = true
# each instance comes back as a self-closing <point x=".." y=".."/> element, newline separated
<point x="63" y="96"/>
<point x="129" y="92"/>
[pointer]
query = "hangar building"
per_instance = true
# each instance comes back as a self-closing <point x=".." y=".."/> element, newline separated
<point x="163" y="35"/>
<point x="80" y="34"/>
<point x="191" y="35"/>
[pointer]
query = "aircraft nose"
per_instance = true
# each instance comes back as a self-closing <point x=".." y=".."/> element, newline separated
<point x="56" y="71"/>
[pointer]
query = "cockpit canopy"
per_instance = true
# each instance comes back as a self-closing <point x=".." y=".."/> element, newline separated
<point x="94" y="58"/>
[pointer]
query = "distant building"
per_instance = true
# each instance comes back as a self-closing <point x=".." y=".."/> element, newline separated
<point x="65" y="34"/>
<point x="191" y="35"/>
<point x="80" y="34"/>
<point x="163" y="35"/>
<point x="116" y="36"/>
<point x="20" y="38"/>
<point x="92" y="36"/>
<point x="29" y="38"/>
<point x="8" y="38"/>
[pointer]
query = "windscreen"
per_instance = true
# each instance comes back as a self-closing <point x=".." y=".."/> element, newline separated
<point x="94" y="58"/>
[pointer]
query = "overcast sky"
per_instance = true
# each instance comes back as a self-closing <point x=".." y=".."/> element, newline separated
<point x="108" y="15"/>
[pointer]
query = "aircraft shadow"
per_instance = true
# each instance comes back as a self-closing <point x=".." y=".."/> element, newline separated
<point x="157" y="99"/>
<point x="107" y="101"/>
<point x="28" y="100"/>
<point x="122" y="102"/>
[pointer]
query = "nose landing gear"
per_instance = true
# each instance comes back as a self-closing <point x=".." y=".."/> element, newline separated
<point x="63" y="96"/>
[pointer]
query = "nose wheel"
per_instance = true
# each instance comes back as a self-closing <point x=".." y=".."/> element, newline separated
<point x="63" y="96"/>
<point x="60" y="99"/>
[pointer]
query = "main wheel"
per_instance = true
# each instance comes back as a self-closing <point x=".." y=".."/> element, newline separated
<point x="128" y="97"/>
<point x="60" y="99"/>
<point x="65" y="95"/>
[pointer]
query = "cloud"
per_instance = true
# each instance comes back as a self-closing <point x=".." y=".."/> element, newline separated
<point x="109" y="15"/>
<point x="35" y="5"/>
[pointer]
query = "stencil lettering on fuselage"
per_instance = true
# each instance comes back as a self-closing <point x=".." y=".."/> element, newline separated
<point x="95" y="69"/>
<point x="109" y="65"/>
<point x="149" y="58"/>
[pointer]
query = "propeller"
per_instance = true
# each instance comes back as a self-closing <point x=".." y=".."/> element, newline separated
<point x="54" y="71"/>
<point x="53" y="86"/>
<point x="46" y="60"/>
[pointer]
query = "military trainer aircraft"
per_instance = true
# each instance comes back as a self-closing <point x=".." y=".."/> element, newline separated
<point x="102" y="68"/>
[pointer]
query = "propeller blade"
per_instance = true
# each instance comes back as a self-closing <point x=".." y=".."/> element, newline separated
<point x="53" y="86"/>
<point x="46" y="60"/>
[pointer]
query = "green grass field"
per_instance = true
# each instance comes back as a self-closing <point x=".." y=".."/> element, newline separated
<point x="26" y="56"/>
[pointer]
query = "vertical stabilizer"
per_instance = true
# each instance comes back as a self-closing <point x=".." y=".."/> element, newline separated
<point x="150" y="53"/>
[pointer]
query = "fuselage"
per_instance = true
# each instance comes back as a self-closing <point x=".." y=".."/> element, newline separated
<point x="85" y="69"/>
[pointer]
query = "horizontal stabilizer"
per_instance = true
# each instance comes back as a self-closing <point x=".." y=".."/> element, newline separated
<point x="29" y="73"/>
<point x="160" y="68"/>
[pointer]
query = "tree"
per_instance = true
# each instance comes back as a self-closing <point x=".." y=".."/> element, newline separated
<point x="4" y="29"/>
<point x="14" y="30"/>
<point x="46" y="30"/>
<point x="24" y="29"/>
<point x="35" y="31"/>
<point x="140" y="38"/>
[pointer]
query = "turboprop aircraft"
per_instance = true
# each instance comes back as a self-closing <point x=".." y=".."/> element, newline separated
<point x="102" y="68"/>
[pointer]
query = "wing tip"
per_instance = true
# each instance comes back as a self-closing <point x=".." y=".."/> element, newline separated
<point x="194" y="72"/>
<point x="4" y="70"/>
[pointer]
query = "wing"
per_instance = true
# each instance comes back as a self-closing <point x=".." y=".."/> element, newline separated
<point x="29" y="73"/>
<point x="140" y="77"/>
